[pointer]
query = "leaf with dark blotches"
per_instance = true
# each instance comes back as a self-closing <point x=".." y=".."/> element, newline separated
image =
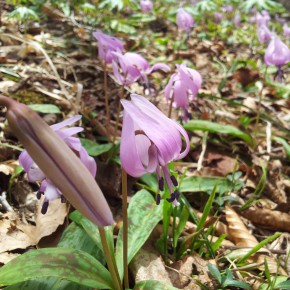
<point x="143" y="216"/>
<point x="64" y="263"/>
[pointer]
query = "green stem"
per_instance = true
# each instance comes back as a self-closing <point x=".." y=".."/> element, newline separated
<point x="118" y="114"/>
<point x="125" y="228"/>
<point x="108" y="118"/>
<point x="112" y="269"/>
<point x="170" y="107"/>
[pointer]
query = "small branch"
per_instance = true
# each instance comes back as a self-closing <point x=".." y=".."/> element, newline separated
<point x="4" y="202"/>
<point x="201" y="157"/>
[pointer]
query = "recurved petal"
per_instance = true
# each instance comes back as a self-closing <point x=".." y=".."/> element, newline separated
<point x="65" y="123"/>
<point x="157" y="66"/>
<point x="58" y="162"/>
<point x="131" y="158"/>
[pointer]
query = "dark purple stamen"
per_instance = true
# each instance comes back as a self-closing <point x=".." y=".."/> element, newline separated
<point x="176" y="194"/>
<point x="158" y="198"/>
<point x="174" y="181"/>
<point x="44" y="207"/>
<point x="161" y="184"/>
<point x="62" y="199"/>
<point x="172" y="198"/>
<point x="38" y="194"/>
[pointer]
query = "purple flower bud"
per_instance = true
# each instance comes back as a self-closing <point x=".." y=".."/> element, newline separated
<point x="286" y="30"/>
<point x="183" y="87"/>
<point x="58" y="162"/>
<point x="106" y="45"/>
<point x="277" y="53"/>
<point x="184" y="20"/>
<point x="146" y="5"/>
<point x="264" y="34"/>
<point x="150" y="140"/>
<point x="218" y="17"/>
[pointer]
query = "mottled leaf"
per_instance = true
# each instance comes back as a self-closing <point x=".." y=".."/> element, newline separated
<point x="153" y="284"/>
<point x="143" y="216"/>
<point x="64" y="263"/>
<point x="95" y="149"/>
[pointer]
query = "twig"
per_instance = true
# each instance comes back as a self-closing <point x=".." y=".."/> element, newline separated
<point x="4" y="202"/>
<point x="268" y="137"/>
<point x="200" y="160"/>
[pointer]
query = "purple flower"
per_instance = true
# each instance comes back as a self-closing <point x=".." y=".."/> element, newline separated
<point x="60" y="164"/>
<point x="106" y="45"/>
<point x="129" y="67"/>
<point x="264" y="34"/>
<point x="286" y="30"/>
<point x="218" y="17"/>
<point x="237" y="19"/>
<point x="150" y="141"/>
<point x="183" y="87"/>
<point x="263" y="19"/>
<point x="277" y="53"/>
<point x="34" y="173"/>
<point x="184" y="20"/>
<point x="228" y="8"/>
<point x="146" y="5"/>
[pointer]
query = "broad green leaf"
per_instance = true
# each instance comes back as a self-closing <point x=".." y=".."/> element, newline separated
<point x="278" y="281"/>
<point x="23" y="13"/>
<point x="64" y="263"/>
<point x="45" y="108"/>
<point x="10" y="74"/>
<point x="214" y="271"/>
<point x="95" y="149"/>
<point x="284" y="285"/>
<point x="207" y="184"/>
<point x="73" y="237"/>
<point x="153" y="284"/>
<point x="236" y="283"/>
<point x="143" y="216"/>
<point x="212" y="127"/>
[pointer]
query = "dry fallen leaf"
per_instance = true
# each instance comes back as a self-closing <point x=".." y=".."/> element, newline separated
<point x="271" y="219"/>
<point x="8" y="167"/>
<point x="239" y="234"/>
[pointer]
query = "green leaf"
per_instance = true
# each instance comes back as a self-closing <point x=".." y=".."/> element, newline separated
<point x="64" y="263"/>
<point x="259" y="246"/>
<point x="95" y="149"/>
<point x="45" y="108"/>
<point x="236" y="283"/>
<point x="212" y="127"/>
<point x="207" y="184"/>
<point x="284" y="285"/>
<point x="73" y="237"/>
<point x="284" y="143"/>
<point x="153" y="284"/>
<point x="23" y="14"/>
<point x="10" y="74"/>
<point x="143" y="216"/>
<point x="215" y="272"/>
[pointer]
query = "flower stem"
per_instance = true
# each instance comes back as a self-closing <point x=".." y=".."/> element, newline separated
<point x="259" y="110"/>
<point x="125" y="228"/>
<point x="108" y="118"/>
<point x="118" y="114"/>
<point x="170" y="107"/>
<point x="109" y="259"/>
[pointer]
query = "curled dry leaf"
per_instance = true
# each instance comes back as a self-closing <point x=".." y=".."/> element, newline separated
<point x="239" y="234"/>
<point x="271" y="219"/>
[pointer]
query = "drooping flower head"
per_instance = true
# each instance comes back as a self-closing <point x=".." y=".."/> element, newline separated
<point x="228" y="8"/>
<point x="264" y="34"/>
<point x="183" y="87"/>
<point x="129" y="67"/>
<point x="106" y="45"/>
<point x="150" y="141"/>
<point x="184" y="20"/>
<point x="237" y="19"/>
<point x="263" y="18"/>
<point x="218" y="17"/>
<point x="277" y="53"/>
<point x="146" y="5"/>
<point x="286" y="30"/>
<point x="61" y="166"/>
<point x="34" y="173"/>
